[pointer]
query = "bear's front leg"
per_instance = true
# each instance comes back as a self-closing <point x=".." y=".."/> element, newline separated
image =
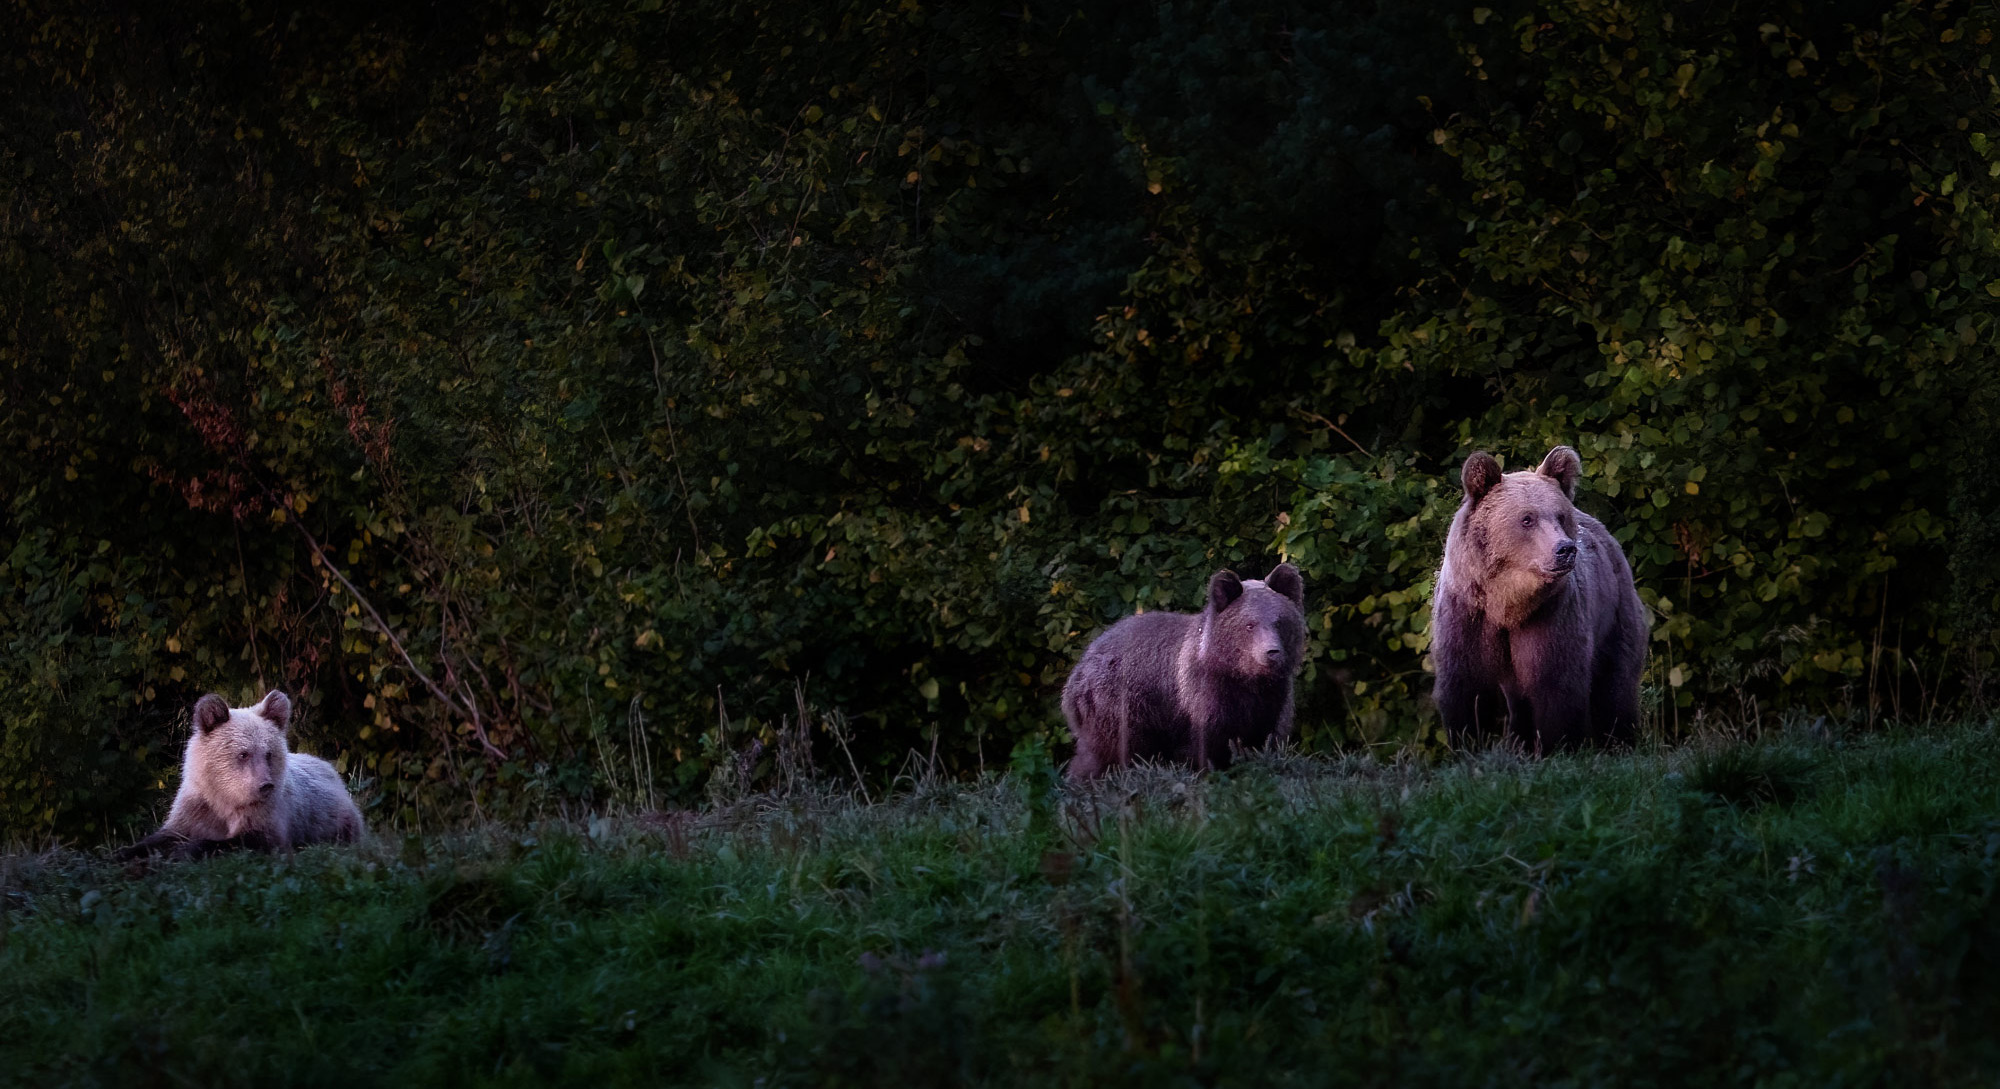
<point x="160" y="842"/>
<point x="1549" y="705"/>
<point x="1562" y="722"/>
<point x="1470" y="712"/>
<point x="1201" y="745"/>
<point x="244" y="841"/>
<point x="1470" y="657"/>
<point x="1215" y="742"/>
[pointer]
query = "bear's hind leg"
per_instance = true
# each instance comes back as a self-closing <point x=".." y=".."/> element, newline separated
<point x="1614" y="700"/>
<point x="1102" y="737"/>
<point x="1085" y="765"/>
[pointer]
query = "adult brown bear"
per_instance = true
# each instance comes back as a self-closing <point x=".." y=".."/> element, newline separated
<point x="1535" y="616"/>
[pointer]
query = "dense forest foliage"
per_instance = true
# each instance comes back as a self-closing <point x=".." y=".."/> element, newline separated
<point x="555" y="399"/>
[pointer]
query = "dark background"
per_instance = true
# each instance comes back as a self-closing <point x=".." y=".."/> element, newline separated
<point x="554" y="399"/>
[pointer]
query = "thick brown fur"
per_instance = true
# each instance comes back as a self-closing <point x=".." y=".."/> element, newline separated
<point x="1191" y="687"/>
<point x="242" y="787"/>
<point x="1535" y="618"/>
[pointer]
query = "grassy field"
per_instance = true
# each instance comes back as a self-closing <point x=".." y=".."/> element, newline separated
<point x="1799" y="910"/>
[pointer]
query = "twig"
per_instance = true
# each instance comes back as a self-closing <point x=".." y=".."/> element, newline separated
<point x="383" y="626"/>
<point x="687" y="497"/>
<point x="250" y="611"/>
<point x="635" y="727"/>
<point x="1335" y="428"/>
<point x="836" y="724"/>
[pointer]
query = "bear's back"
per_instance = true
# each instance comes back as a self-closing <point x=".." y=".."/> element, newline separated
<point x="322" y="810"/>
<point x="1151" y="638"/>
<point x="1127" y="682"/>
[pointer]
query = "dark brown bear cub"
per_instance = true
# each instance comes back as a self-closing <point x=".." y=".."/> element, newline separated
<point x="1535" y="616"/>
<point x="1179" y="686"/>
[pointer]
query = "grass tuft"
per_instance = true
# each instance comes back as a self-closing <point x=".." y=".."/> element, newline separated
<point x="1752" y="775"/>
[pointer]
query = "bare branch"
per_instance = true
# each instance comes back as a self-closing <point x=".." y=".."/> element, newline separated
<point x="1333" y="427"/>
<point x="444" y="697"/>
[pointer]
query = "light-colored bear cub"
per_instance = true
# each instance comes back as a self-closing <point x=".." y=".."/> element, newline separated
<point x="241" y="788"/>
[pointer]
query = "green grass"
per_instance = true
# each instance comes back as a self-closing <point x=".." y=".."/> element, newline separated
<point x="1800" y="910"/>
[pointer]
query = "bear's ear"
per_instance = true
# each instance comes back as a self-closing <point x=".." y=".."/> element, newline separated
<point x="1480" y="474"/>
<point x="1286" y="579"/>
<point x="1564" y="467"/>
<point x="276" y="709"/>
<point x="210" y="711"/>
<point x="1223" y="588"/>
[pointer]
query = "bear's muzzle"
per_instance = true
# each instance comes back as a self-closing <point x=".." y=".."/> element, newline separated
<point x="1565" y="560"/>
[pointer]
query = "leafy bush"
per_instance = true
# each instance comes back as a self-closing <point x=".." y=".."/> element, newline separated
<point x="551" y="396"/>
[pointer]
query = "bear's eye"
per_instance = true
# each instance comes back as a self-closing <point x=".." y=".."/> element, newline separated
<point x="243" y="758"/>
<point x="1527" y="520"/>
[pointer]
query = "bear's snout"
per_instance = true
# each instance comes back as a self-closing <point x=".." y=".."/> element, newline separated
<point x="1264" y="654"/>
<point x="266" y="787"/>
<point x="1565" y="556"/>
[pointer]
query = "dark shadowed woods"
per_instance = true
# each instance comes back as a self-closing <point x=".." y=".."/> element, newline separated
<point x="562" y="400"/>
